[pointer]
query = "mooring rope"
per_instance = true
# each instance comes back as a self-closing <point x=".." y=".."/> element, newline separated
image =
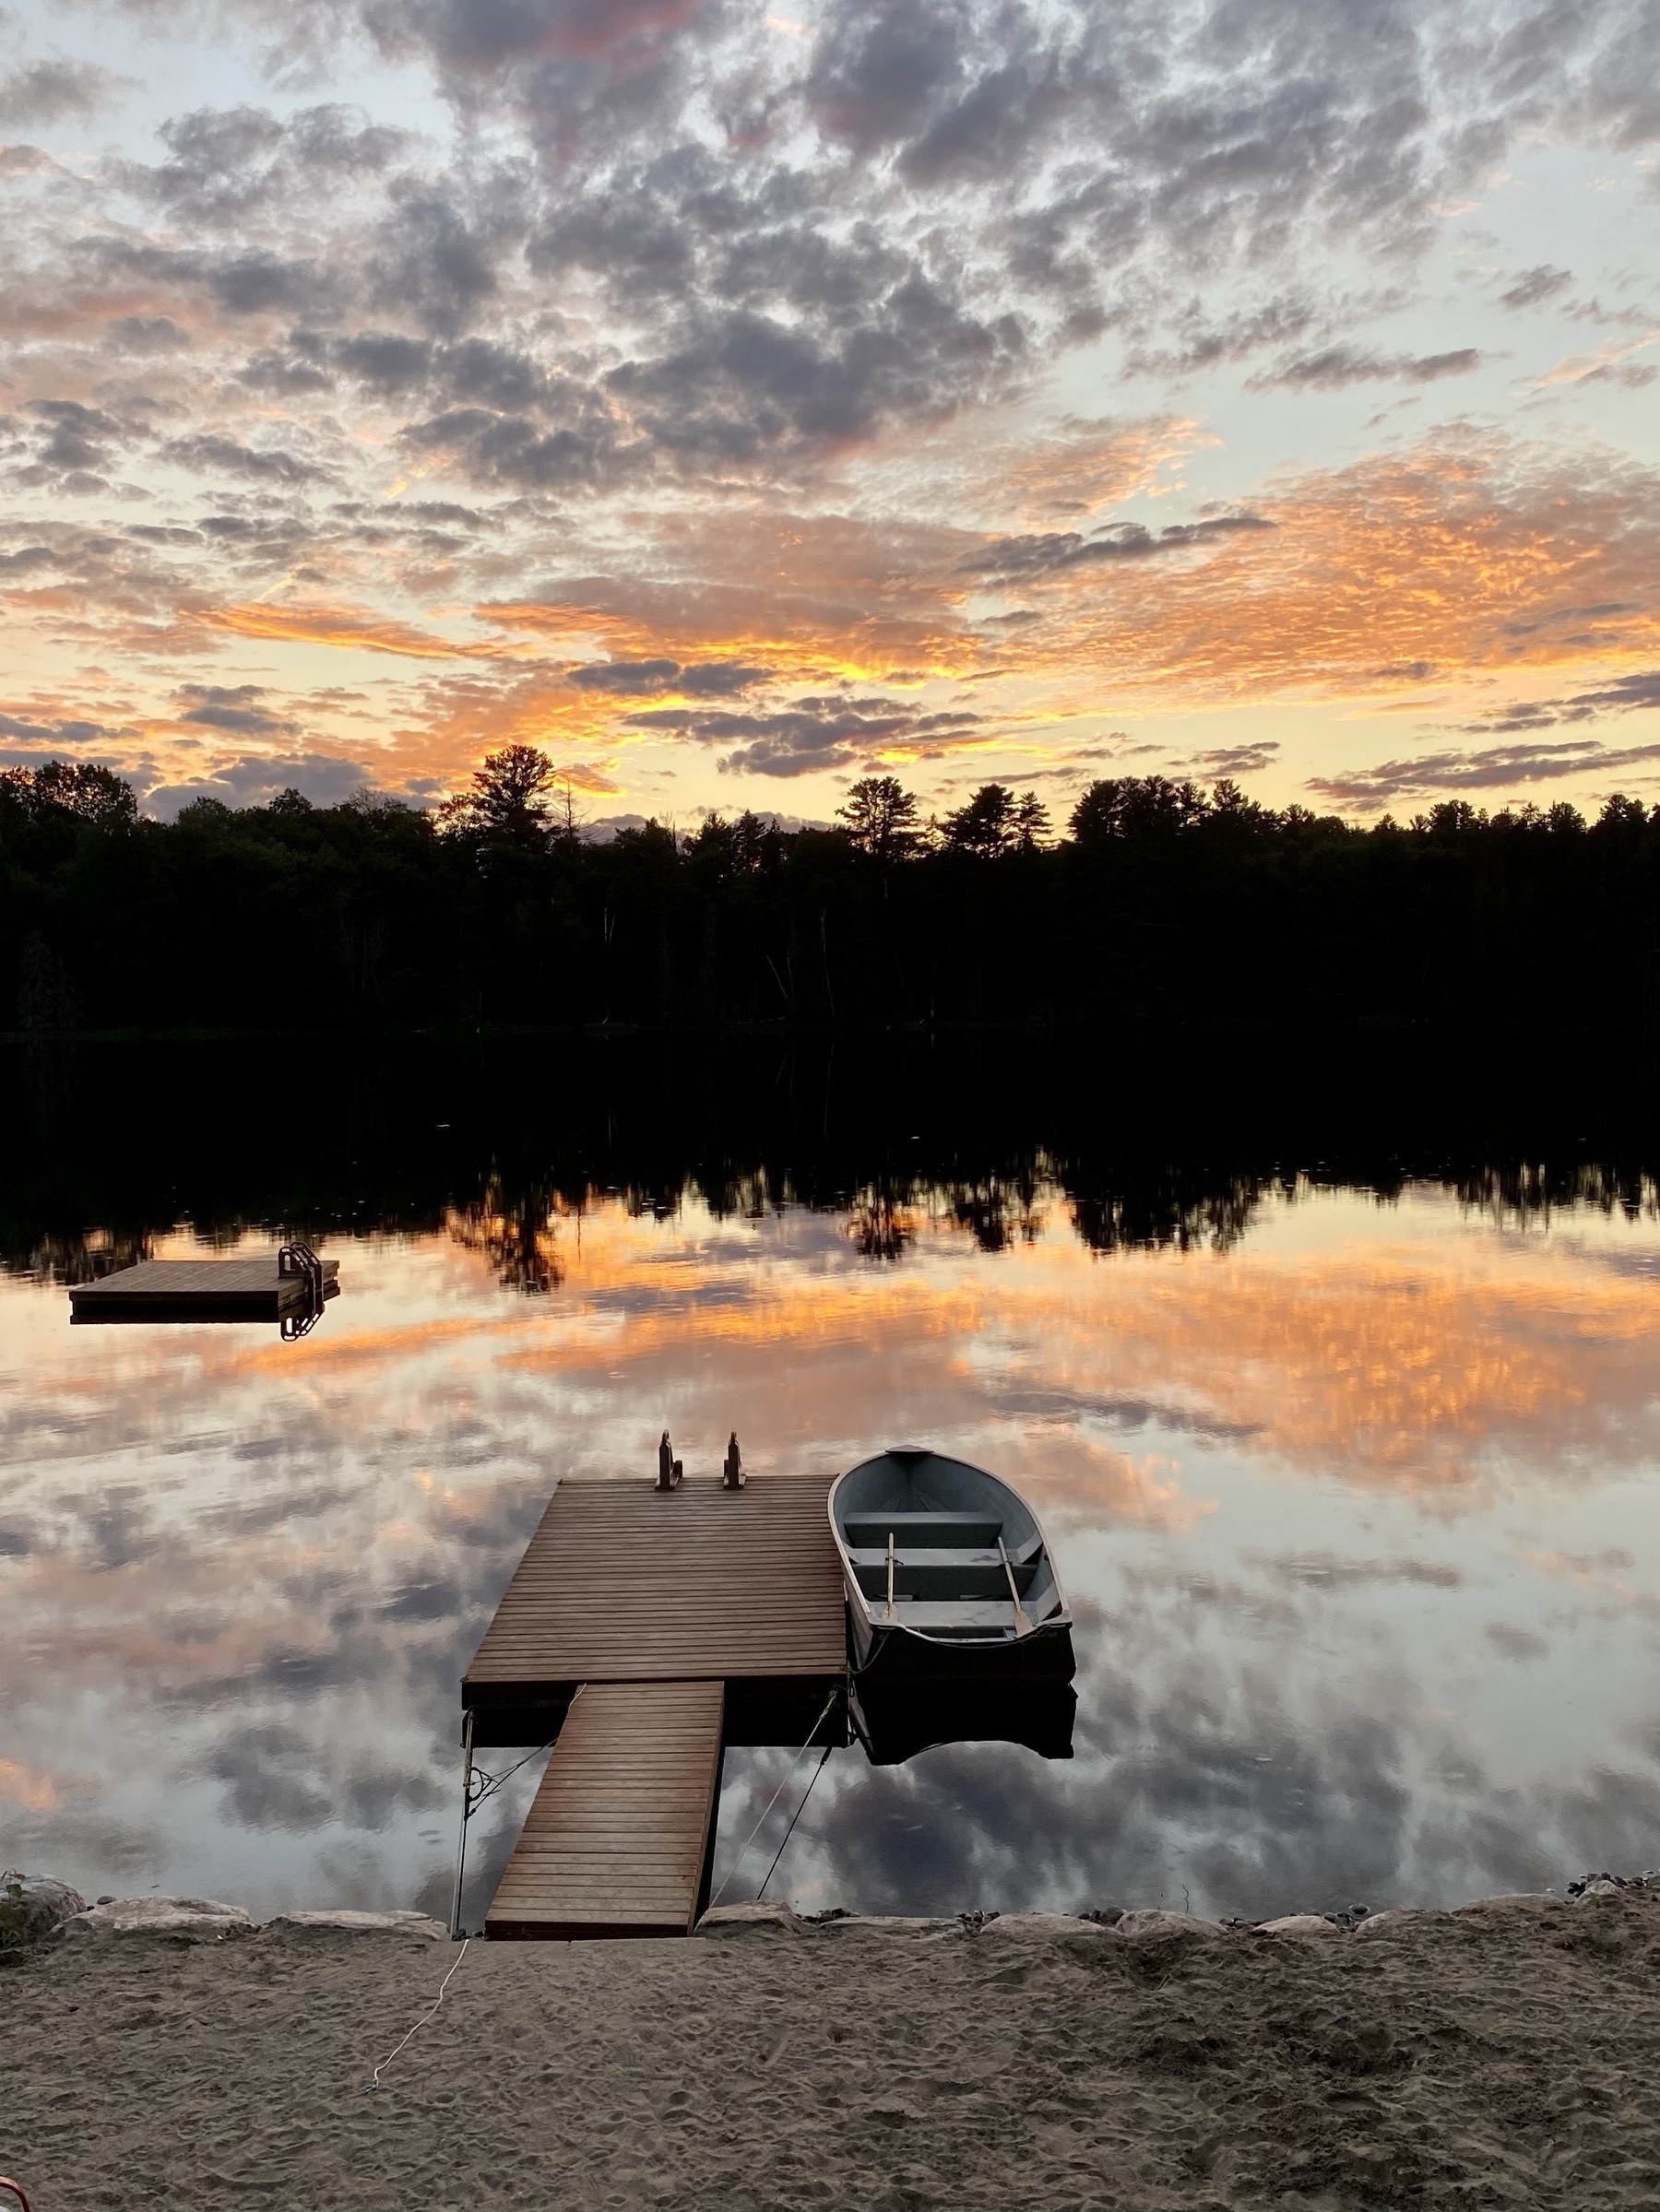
<point x="790" y="1830"/>
<point x="374" y="2081"/>
<point x="773" y="1799"/>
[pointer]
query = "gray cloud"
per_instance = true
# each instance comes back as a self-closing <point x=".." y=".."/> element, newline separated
<point x="240" y="281"/>
<point x="1531" y="286"/>
<point x="476" y="35"/>
<point x="208" y="454"/>
<point x="881" y="72"/>
<point x="515" y="450"/>
<point x="1023" y="560"/>
<point x="1235" y="760"/>
<point x="233" y="707"/>
<point x="69" y="445"/>
<point x="1202" y="342"/>
<point x="253" y="779"/>
<point x="1494" y="767"/>
<point x="1524" y="761"/>
<point x="223" y="163"/>
<point x="810" y="735"/>
<point x="744" y="383"/>
<point x="26" y="559"/>
<point x="430" y="263"/>
<point x="283" y="375"/>
<point x="640" y="678"/>
<point x="41" y="93"/>
<point x="49" y="740"/>
<point x="1638" y="689"/>
<point x="911" y="211"/>
<point x="131" y="335"/>
<point x="1338" y="366"/>
<point x="1625" y="694"/>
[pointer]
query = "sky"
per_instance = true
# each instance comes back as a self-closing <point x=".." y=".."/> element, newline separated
<point x="735" y="401"/>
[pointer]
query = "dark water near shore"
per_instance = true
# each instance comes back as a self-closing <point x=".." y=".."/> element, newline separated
<point x="1334" y="1378"/>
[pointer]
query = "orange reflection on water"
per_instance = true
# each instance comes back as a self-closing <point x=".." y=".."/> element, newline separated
<point x="21" y="1785"/>
<point x="1396" y="1353"/>
<point x="274" y="1559"/>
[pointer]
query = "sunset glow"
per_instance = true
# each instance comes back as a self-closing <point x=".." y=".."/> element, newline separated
<point x="733" y="404"/>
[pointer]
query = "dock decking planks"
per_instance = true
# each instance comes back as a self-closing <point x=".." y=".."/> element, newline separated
<point x="622" y="1582"/>
<point x="645" y="1630"/>
<point x="197" y="1290"/>
<point x="615" y="1841"/>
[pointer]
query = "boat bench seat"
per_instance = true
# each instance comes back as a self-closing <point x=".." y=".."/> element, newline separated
<point x="940" y="1574"/>
<point x="981" y="1618"/>
<point x="949" y="1532"/>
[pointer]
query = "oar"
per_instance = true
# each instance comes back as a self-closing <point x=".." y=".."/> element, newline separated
<point x="1022" y="1626"/>
<point x="892" y="1613"/>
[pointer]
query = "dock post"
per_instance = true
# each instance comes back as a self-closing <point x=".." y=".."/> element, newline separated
<point x="467" y="1771"/>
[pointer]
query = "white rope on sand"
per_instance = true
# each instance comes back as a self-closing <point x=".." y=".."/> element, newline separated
<point x="374" y="2081"/>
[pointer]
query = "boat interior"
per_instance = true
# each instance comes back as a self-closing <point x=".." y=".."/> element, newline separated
<point x="942" y="1549"/>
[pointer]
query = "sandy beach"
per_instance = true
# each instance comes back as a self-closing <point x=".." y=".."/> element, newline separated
<point x="1505" y="2054"/>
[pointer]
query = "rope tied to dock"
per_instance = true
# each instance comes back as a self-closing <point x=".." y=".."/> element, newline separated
<point x="790" y="1830"/>
<point x="374" y="2080"/>
<point x="795" y="1762"/>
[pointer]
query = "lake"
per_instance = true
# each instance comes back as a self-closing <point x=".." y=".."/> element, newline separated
<point x="1351" y="1465"/>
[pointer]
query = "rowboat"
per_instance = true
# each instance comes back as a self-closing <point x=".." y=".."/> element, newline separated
<point x="948" y="1575"/>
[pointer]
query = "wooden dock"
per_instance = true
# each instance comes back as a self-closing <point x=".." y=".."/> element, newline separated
<point x="690" y="1619"/>
<point x="199" y="1290"/>
<point x="616" y="1842"/>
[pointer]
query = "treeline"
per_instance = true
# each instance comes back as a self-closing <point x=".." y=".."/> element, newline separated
<point x="1159" y="902"/>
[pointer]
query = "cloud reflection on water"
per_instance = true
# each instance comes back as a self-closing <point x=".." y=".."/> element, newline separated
<point x="1325" y="1487"/>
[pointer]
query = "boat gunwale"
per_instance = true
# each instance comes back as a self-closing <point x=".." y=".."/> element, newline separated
<point x="1057" y="1619"/>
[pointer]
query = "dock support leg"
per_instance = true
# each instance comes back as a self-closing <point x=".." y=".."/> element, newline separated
<point x="467" y="1769"/>
<point x="708" y="1857"/>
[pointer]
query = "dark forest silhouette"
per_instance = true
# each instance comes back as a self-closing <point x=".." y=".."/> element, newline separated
<point x="1160" y="901"/>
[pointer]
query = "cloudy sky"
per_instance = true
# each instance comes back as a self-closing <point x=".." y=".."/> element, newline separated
<point x="734" y="400"/>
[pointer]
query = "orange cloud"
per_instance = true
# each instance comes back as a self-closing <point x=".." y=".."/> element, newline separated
<point x="348" y="627"/>
<point x="1469" y="556"/>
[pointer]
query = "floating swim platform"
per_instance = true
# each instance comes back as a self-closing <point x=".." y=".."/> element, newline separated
<point x="256" y="1289"/>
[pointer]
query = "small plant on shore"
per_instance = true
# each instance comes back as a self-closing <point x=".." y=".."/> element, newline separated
<point x="14" y="1915"/>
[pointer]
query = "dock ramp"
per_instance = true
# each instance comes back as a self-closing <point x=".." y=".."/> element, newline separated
<point x="617" y="1840"/>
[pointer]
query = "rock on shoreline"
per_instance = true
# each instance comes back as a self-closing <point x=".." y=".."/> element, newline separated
<point x="35" y="1909"/>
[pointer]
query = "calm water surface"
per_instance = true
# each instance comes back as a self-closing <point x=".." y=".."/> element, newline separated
<point x="1354" y="1498"/>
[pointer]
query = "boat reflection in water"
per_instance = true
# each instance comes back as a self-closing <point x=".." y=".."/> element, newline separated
<point x="895" y="1720"/>
<point x="948" y="1576"/>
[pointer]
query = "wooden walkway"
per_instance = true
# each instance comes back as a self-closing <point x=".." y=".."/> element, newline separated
<point x="688" y="1620"/>
<point x="616" y="1842"/>
<point x="197" y="1290"/>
